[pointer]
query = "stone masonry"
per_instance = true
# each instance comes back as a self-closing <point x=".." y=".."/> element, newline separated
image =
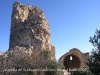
<point x="30" y="30"/>
<point x="78" y="59"/>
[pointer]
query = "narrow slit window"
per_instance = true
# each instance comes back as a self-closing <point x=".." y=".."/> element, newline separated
<point x="71" y="58"/>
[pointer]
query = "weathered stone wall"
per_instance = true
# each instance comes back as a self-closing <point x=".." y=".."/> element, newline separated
<point x="78" y="60"/>
<point x="30" y="29"/>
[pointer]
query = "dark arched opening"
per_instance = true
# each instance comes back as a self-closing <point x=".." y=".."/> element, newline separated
<point x="72" y="61"/>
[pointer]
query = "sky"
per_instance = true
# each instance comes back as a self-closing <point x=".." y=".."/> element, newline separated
<point x="71" y="22"/>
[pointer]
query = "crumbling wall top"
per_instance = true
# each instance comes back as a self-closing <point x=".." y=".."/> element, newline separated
<point x="22" y="12"/>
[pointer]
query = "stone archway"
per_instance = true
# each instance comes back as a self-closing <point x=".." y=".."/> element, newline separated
<point x="78" y="59"/>
<point x="72" y="61"/>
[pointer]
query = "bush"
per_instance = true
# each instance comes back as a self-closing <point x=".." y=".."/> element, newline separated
<point x="81" y="73"/>
<point x="52" y="66"/>
<point x="55" y="67"/>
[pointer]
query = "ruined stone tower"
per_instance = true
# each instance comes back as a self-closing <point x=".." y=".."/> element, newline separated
<point x="30" y="30"/>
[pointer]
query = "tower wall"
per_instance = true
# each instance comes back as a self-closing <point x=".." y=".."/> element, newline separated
<point x="29" y="29"/>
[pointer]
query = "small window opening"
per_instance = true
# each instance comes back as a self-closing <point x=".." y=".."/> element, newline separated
<point x="71" y="58"/>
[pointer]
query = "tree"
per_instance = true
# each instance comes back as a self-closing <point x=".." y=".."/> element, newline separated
<point x="94" y="61"/>
<point x="53" y="67"/>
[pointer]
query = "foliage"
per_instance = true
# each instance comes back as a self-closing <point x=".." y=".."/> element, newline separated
<point x="15" y="60"/>
<point x="20" y="60"/>
<point x="9" y="54"/>
<point x="81" y="73"/>
<point x="54" y="68"/>
<point x="46" y="54"/>
<point x="94" y="61"/>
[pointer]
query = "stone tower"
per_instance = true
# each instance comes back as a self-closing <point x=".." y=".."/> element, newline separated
<point x="30" y="30"/>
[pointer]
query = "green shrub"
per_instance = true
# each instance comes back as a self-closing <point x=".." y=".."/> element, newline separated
<point x="46" y="54"/>
<point x="54" y="68"/>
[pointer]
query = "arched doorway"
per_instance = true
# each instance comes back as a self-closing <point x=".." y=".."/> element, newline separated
<point x="72" y="61"/>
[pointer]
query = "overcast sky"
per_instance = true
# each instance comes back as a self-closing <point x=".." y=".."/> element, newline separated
<point x="71" y="22"/>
